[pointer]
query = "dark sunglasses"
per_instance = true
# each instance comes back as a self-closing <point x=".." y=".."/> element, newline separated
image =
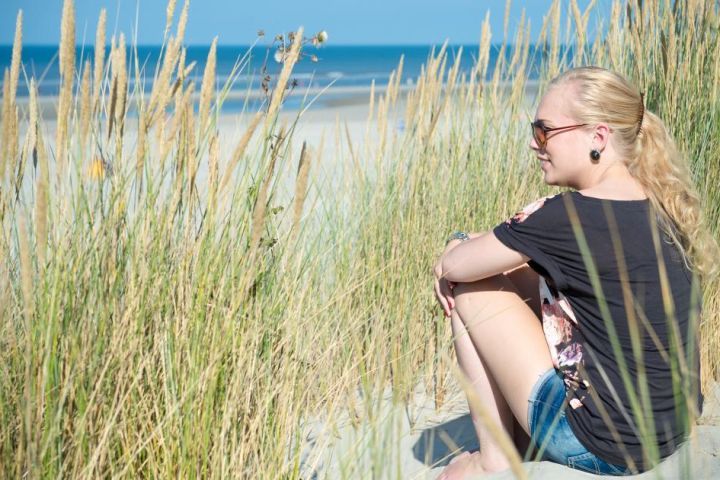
<point x="540" y="131"/>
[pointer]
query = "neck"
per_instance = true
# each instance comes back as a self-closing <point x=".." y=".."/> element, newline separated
<point x="612" y="171"/>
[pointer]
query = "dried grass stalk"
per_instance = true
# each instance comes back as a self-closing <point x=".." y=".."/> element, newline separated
<point x="351" y="148"/>
<point x="279" y="90"/>
<point x="16" y="54"/>
<point x="99" y="66"/>
<point x="579" y="31"/>
<point x="258" y="216"/>
<point x="67" y="74"/>
<point x="85" y="105"/>
<point x="67" y="39"/>
<point x="182" y="22"/>
<point x="382" y="126"/>
<point x="208" y="87"/>
<point x="13" y="122"/>
<point x="141" y="147"/>
<point x="9" y="108"/>
<point x="26" y="270"/>
<point x="191" y="139"/>
<point x="113" y="103"/>
<point x="301" y="182"/>
<point x="28" y="147"/>
<point x="164" y="140"/>
<point x="484" y="51"/>
<point x="178" y="90"/>
<point x="5" y="134"/>
<point x="371" y="112"/>
<point x="506" y="20"/>
<point x="119" y="66"/>
<point x="518" y="86"/>
<point x="213" y="170"/>
<point x="169" y="14"/>
<point x="394" y="89"/>
<point x="182" y="104"/>
<point x="581" y="21"/>
<point x="27" y="456"/>
<point x="161" y="92"/>
<point x="240" y="149"/>
<point x="554" y="67"/>
<point x="515" y="59"/>
<point x="32" y="130"/>
<point x="6" y="303"/>
<point x="41" y="201"/>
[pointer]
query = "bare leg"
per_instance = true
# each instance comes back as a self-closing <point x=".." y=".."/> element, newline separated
<point x="525" y="280"/>
<point x="488" y="392"/>
<point x="501" y="348"/>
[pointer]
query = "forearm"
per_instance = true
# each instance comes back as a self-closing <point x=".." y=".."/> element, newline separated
<point x="455" y="255"/>
<point x="479" y="257"/>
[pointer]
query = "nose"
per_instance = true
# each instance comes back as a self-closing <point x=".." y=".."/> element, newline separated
<point x="533" y="144"/>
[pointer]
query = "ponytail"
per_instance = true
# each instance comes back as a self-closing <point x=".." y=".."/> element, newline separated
<point x="652" y="158"/>
<point x="664" y="173"/>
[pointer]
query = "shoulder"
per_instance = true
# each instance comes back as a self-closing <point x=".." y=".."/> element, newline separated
<point x="550" y="202"/>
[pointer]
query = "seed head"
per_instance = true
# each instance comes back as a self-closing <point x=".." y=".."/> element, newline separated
<point x="279" y="56"/>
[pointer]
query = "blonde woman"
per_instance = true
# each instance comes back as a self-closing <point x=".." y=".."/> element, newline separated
<point x="575" y="319"/>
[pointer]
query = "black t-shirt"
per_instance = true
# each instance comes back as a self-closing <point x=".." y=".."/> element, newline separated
<point x="584" y="300"/>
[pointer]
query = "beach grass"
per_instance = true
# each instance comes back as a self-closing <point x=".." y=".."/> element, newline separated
<point x="167" y="312"/>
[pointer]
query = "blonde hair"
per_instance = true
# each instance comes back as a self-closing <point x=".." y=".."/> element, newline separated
<point x="650" y="154"/>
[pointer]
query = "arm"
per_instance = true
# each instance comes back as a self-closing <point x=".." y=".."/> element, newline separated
<point x="480" y="257"/>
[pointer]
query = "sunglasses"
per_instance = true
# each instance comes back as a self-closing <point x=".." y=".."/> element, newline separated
<point x="540" y="131"/>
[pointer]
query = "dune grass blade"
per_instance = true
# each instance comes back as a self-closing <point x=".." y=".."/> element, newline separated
<point x="201" y="309"/>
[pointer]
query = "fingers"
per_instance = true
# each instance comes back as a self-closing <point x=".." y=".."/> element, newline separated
<point x="451" y="295"/>
<point x="444" y="290"/>
<point x="444" y="294"/>
<point x="441" y="298"/>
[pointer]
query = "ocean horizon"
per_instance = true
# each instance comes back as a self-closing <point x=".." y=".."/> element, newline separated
<point x="340" y="70"/>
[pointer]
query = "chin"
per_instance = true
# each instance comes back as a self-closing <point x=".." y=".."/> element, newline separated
<point x="549" y="181"/>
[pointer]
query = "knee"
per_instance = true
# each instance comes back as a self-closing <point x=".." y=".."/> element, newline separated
<point x="471" y="294"/>
<point x="496" y="282"/>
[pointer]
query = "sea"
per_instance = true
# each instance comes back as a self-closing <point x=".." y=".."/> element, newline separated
<point x="324" y="76"/>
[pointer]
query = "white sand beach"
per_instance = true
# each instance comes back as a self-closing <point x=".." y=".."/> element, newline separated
<point x="419" y="440"/>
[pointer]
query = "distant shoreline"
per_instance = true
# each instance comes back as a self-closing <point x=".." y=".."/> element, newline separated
<point x="327" y="98"/>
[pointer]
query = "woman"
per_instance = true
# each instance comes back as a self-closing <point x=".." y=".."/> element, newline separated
<point x="574" y="319"/>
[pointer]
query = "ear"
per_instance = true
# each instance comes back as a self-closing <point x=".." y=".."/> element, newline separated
<point x="601" y="136"/>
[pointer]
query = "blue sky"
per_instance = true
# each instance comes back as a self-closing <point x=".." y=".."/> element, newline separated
<point x="348" y="22"/>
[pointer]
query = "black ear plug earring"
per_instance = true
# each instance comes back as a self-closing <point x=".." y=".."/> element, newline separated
<point x="594" y="156"/>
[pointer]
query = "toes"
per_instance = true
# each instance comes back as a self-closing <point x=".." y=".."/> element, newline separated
<point x="462" y="465"/>
<point x="458" y="457"/>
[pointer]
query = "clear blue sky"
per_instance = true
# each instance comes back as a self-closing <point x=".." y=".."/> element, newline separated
<point x="348" y="22"/>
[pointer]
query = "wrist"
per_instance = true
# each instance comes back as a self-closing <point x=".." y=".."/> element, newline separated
<point x="459" y="236"/>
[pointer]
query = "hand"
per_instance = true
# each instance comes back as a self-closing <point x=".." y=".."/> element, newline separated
<point x="444" y="287"/>
<point x="445" y="296"/>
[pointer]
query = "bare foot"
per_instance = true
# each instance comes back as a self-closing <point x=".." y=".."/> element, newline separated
<point x="458" y="457"/>
<point x="459" y="467"/>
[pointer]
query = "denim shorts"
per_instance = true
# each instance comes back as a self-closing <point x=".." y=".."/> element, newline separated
<point x="551" y="433"/>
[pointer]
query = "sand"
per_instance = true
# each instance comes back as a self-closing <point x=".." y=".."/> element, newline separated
<point x="416" y="441"/>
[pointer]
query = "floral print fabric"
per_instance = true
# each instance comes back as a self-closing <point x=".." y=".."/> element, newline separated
<point x="560" y="325"/>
